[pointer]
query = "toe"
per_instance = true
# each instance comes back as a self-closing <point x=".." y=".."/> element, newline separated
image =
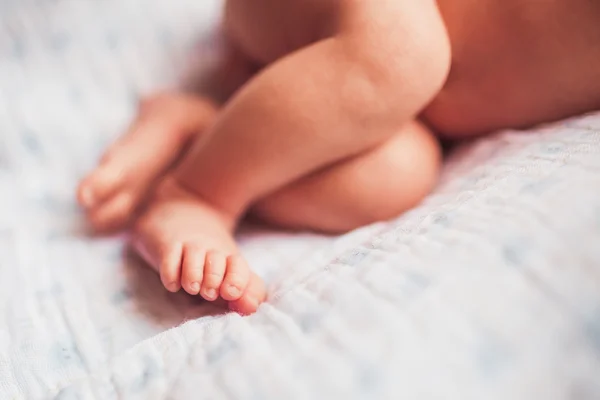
<point x="237" y="277"/>
<point x="214" y="271"/>
<point x="98" y="186"/>
<point x="114" y="213"/>
<point x="254" y="295"/>
<point x="170" y="266"/>
<point x="85" y="194"/>
<point x="193" y="268"/>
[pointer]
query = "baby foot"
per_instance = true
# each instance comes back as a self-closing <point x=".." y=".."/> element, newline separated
<point x="131" y="166"/>
<point x="191" y="246"/>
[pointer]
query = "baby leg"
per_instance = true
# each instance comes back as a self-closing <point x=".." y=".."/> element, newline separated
<point x="193" y="241"/>
<point x="337" y="99"/>
<point x="330" y="101"/>
<point x="375" y="186"/>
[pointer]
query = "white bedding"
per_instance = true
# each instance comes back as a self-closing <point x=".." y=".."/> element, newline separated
<point x="490" y="289"/>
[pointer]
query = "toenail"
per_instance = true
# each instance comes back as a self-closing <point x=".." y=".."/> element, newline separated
<point x="195" y="287"/>
<point x="210" y="293"/>
<point x="233" y="291"/>
<point x="173" y="286"/>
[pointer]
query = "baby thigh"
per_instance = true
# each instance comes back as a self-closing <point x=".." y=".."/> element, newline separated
<point x="380" y="184"/>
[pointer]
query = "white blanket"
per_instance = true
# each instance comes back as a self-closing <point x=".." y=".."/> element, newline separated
<point x="488" y="290"/>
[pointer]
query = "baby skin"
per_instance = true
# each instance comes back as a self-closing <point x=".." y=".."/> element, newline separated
<point x="330" y="122"/>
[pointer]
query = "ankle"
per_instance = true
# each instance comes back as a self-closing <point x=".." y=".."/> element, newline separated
<point x="172" y="188"/>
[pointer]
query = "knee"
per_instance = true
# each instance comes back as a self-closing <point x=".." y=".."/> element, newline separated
<point x="378" y="186"/>
<point x="406" y="171"/>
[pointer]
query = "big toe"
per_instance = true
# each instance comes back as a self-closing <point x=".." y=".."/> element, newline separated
<point x="98" y="186"/>
<point x="252" y="298"/>
<point x="113" y="213"/>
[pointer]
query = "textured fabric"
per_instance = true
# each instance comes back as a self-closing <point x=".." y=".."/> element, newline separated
<point x="488" y="290"/>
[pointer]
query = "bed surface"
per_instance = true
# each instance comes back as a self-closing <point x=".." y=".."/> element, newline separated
<point x="490" y="289"/>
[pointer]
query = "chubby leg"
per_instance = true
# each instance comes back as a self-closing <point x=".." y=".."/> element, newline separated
<point x="337" y="99"/>
<point x="375" y="186"/>
<point x="190" y="243"/>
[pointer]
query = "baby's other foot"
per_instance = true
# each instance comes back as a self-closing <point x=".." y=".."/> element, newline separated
<point x="191" y="246"/>
<point x="127" y="171"/>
